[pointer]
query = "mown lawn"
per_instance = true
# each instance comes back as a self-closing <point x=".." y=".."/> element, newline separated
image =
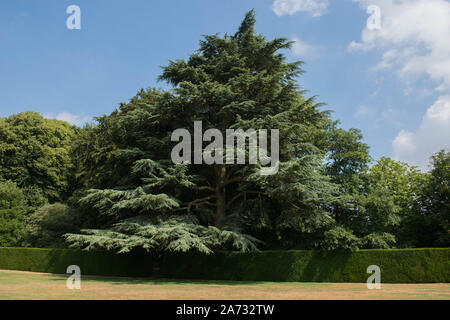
<point x="28" y="285"/>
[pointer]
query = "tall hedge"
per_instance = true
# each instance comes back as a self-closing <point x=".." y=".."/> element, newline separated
<point x="397" y="266"/>
<point x="90" y="262"/>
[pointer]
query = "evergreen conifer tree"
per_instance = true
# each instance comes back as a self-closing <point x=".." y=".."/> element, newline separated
<point x="238" y="81"/>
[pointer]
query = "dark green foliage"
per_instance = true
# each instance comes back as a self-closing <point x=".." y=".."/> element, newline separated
<point x="379" y="240"/>
<point x="348" y="156"/>
<point x="397" y="266"/>
<point x="377" y="202"/>
<point x="430" y="224"/>
<point x="47" y="224"/>
<point x="12" y="215"/>
<point x="231" y="82"/>
<point x="339" y="238"/>
<point x="101" y="263"/>
<point x="34" y="199"/>
<point x="34" y="153"/>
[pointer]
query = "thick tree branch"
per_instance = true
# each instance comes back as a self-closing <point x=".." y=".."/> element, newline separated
<point x="238" y="179"/>
<point x="204" y="188"/>
<point x="196" y="203"/>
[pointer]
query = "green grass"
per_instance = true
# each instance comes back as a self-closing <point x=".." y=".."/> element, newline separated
<point x="24" y="285"/>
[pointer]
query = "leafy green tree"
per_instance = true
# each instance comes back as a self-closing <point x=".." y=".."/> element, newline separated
<point x="34" y="153"/>
<point x="364" y="212"/>
<point x="371" y="210"/>
<point x="12" y="215"/>
<point x="402" y="180"/>
<point x="348" y="157"/>
<point x="339" y="238"/>
<point x="401" y="185"/>
<point x="347" y="160"/>
<point x="231" y="82"/>
<point x="378" y="240"/>
<point x="47" y="224"/>
<point x="431" y="225"/>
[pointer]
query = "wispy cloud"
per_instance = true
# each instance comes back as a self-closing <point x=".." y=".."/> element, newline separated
<point x="73" y="119"/>
<point x="315" y="7"/>
<point x="305" y="50"/>
<point x="363" y="112"/>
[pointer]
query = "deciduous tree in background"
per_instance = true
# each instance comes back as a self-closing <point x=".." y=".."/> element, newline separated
<point x="12" y="215"/>
<point x="34" y="153"/>
<point x="431" y="224"/>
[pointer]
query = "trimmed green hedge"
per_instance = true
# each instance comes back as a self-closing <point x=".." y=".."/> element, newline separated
<point x="90" y="262"/>
<point x="397" y="266"/>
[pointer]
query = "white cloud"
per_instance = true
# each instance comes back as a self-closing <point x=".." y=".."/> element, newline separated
<point x="73" y="119"/>
<point x="414" y="37"/>
<point x="414" y="41"/>
<point x="363" y="112"/>
<point x="432" y="136"/>
<point x="315" y="7"/>
<point x="304" y="50"/>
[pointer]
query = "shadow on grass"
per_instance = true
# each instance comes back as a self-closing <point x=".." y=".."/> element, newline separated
<point x="153" y="281"/>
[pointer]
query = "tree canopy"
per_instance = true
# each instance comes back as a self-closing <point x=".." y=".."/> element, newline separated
<point x="35" y="154"/>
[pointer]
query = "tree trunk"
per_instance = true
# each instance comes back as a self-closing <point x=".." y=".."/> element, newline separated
<point x="220" y="197"/>
<point x="220" y="208"/>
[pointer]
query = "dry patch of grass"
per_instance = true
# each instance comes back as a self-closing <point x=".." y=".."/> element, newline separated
<point x="29" y="285"/>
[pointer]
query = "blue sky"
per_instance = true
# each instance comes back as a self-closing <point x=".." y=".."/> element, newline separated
<point x="392" y="83"/>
